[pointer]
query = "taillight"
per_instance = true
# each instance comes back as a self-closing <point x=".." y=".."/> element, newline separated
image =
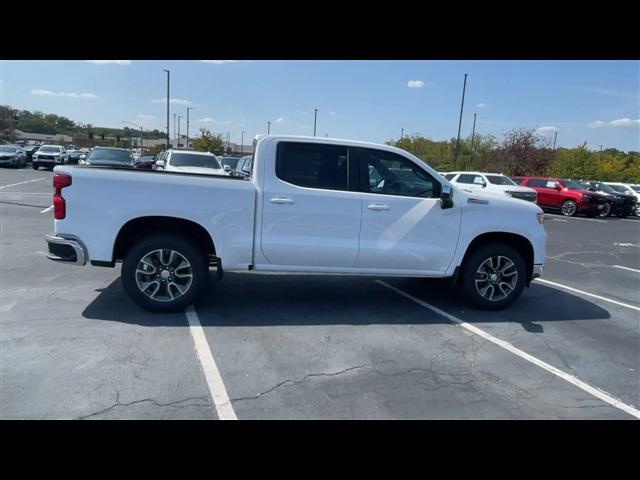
<point x="59" y="182"/>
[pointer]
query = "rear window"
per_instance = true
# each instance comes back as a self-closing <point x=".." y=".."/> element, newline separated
<point x="194" y="160"/>
<point x="313" y="165"/>
<point x="119" y="156"/>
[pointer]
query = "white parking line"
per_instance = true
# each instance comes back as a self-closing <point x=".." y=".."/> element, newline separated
<point x="582" y="292"/>
<point x="596" y="392"/>
<point x="626" y="245"/>
<point x="219" y="395"/>
<point x="626" y="268"/>
<point x="20" y="183"/>
<point x="577" y="218"/>
<point x="48" y="209"/>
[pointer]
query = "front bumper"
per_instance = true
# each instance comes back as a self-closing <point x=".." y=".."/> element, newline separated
<point x="8" y="161"/>
<point x="65" y="250"/>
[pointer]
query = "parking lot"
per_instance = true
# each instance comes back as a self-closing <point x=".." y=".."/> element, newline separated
<point x="73" y="346"/>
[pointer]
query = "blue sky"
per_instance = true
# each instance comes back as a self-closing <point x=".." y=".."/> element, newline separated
<point x="593" y="101"/>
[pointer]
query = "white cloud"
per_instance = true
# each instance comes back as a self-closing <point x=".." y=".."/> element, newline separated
<point x="415" y="84"/>
<point x="174" y="101"/>
<point x="218" y="62"/>
<point x="43" y="93"/>
<point x="624" y="123"/>
<point x="142" y="116"/>
<point x="114" y="62"/>
<point x="213" y="120"/>
<point x="597" y="124"/>
<point x="279" y="120"/>
<point x="618" y="123"/>
<point x="481" y="105"/>
<point x="547" y="130"/>
<point x="49" y="93"/>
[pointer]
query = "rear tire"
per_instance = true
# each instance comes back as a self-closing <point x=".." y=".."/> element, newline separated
<point x="493" y="270"/>
<point x="163" y="282"/>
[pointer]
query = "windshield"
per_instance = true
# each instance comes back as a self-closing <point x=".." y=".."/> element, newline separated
<point x="194" y="160"/>
<point x="49" y="150"/>
<point x="619" y="188"/>
<point x="604" y="188"/>
<point x="6" y="149"/>
<point x="571" y="185"/>
<point x="500" y="180"/>
<point x="111" y="156"/>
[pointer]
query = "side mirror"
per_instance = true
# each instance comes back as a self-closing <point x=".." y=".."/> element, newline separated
<point x="558" y="187"/>
<point x="484" y="184"/>
<point x="227" y="168"/>
<point x="160" y="163"/>
<point x="446" y="197"/>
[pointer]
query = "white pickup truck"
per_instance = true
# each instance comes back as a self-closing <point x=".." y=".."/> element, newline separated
<point x="309" y="205"/>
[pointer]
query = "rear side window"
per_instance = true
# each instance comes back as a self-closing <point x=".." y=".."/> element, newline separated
<point x="313" y="165"/>
<point x="449" y="176"/>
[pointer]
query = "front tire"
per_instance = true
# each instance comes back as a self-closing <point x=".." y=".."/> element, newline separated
<point x="35" y="166"/>
<point x="606" y="210"/>
<point x="493" y="276"/>
<point x="164" y="273"/>
<point x="569" y="208"/>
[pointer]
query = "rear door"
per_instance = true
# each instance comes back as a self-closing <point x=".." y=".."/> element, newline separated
<point x="311" y="207"/>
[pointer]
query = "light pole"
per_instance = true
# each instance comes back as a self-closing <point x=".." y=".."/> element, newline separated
<point x="140" y="127"/>
<point x="179" y="117"/>
<point x="268" y="128"/>
<point x="168" y="134"/>
<point x="242" y="143"/>
<point x="174" y="125"/>
<point x="455" y="155"/>
<point x="473" y="137"/>
<point x="315" y="118"/>
<point x="401" y="134"/>
<point x="188" y="108"/>
<point x="555" y="137"/>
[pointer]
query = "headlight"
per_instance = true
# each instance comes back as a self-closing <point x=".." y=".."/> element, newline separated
<point x="540" y="217"/>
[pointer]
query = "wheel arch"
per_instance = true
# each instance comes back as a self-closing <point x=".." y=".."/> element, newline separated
<point x="137" y="228"/>
<point x="519" y="242"/>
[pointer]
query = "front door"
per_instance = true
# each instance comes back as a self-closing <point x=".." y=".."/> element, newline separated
<point x="403" y="224"/>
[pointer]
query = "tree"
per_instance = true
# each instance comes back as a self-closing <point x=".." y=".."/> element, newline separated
<point x="7" y="124"/>
<point x="519" y="153"/>
<point x="209" y="142"/>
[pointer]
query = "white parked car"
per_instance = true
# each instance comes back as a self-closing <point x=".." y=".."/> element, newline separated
<point x="49" y="156"/>
<point x="309" y="205"/>
<point x="493" y="183"/>
<point x="190" y="161"/>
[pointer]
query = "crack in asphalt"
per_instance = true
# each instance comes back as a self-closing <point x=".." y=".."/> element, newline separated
<point x="174" y="404"/>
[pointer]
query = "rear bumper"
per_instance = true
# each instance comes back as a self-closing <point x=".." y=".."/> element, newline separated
<point x="65" y="250"/>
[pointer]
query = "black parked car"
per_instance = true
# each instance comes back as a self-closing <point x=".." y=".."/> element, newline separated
<point x="76" y="156"/>
<point x="617" y="203"/>
<point x="30" y="150"/>
<point x="145" y="163"/>
<point x="109" y="157"/>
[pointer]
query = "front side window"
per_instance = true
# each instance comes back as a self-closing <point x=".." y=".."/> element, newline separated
<point x="470" y="179"/>
<point x="392" y="174"/>
<point x="570" y="184"/>
<point x="500" y="180"/>
<point x="313" y="165"/>
<point x="538" y="183"/>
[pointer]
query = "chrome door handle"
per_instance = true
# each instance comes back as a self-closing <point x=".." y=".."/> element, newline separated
<point x="378" y="206"/>
<point x="282" y="200"/>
